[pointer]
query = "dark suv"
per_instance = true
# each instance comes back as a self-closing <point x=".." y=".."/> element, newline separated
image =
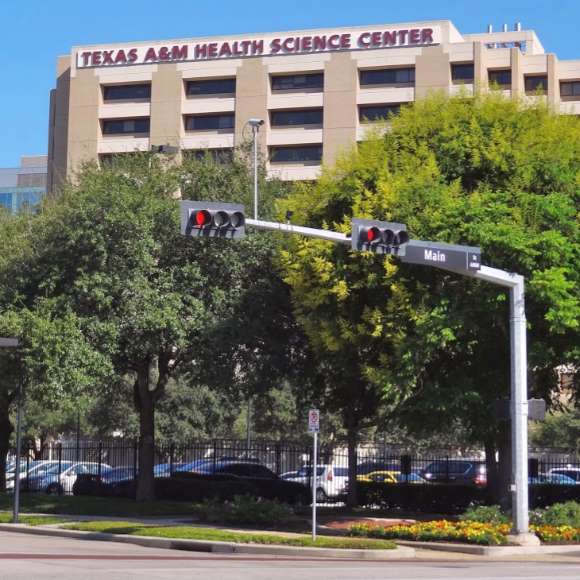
<point x="455" y="471"/>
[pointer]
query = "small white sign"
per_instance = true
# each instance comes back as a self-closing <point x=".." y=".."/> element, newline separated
<point x="314" y="421"/>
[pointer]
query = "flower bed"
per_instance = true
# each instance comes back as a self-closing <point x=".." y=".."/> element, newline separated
<point x="440" y="530"/>
<point x="464" y="531"/>
<point x="557" y="534"/>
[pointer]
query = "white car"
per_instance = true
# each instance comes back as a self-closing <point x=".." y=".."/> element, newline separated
<point x="571" y="472"/>
<point x="59" y="477"/>
<point x="331" y="480"/>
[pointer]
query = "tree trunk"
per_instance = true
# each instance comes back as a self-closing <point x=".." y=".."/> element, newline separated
<point x="5" y="432"/>
<point x="505" y="465"/>
<point x="493" y="483"/>
<point x="352" y="440"/>
<point x="145" y="400"/>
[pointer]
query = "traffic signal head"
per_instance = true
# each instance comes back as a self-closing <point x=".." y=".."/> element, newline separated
<point x="212" y="219"/>
<point x="379" y="237"/>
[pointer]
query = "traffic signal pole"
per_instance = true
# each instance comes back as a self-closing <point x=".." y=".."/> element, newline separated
<point x="518" y="365"/>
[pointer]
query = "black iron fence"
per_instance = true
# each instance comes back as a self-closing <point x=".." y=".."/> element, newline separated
<point x="56" y="468"/>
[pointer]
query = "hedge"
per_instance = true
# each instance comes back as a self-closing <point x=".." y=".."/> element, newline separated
<point x="198" y="487"/>
<point x="452" y="498"/>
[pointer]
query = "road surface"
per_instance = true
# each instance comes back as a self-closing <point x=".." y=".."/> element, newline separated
<point x="38" y="557"/>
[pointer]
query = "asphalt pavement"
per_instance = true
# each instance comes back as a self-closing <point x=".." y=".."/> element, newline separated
<point x="40" y="557"/>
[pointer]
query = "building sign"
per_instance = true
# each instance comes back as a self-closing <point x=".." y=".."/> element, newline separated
<point x="268" y="46"/>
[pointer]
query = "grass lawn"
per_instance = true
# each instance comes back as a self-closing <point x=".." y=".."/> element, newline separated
<point x="95" y="506"/>
<point x="6" y="518"/>
<point x="194" y="533"/>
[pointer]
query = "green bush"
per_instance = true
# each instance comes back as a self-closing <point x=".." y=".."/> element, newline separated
<point x="491" y="514"/>
<point x="244" y="510"/>
<point x="558" y="514"/>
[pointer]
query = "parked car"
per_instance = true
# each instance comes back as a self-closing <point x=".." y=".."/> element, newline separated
<point x="572" y="472"/>
<point x="27" y="469"/>
<point x="455" y="471"/>
<point x="166" y="469"/>
<point x="367" y="467"/>
<point x="391" y="477"/>
<point x="116" y="474"/>
<point x="552" y="479"/>
<point x="61" y="476"/>
<point x="330" y="481"/>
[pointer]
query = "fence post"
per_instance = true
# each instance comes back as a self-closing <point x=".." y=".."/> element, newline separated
<point x="100" y="459"/>
<point x="214" y="454"/>
<point x="135" y="457"/>
<point x="59" y="468"/>
<point x="171" y="459"/>
<point x="278" y="452"/>
<point x="447" y="469"/>
<point x="27" y="467"/>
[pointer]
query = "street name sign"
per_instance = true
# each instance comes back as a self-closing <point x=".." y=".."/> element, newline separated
<point x="444" y="256"/>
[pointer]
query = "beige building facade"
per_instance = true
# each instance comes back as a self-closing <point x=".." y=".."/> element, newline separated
<point x="317" y="91"/>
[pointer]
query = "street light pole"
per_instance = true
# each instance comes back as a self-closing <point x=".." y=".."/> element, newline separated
<point x="255" y="124"/>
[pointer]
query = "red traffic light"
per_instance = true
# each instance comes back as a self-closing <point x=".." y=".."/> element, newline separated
<point x="201" y="218"/>
<point x="371" y="235"/>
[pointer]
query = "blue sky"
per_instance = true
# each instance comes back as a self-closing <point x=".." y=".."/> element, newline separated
<point x="35" y="32"/>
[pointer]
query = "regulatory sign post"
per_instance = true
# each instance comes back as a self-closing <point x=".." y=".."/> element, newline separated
<point x="314" y="428"/>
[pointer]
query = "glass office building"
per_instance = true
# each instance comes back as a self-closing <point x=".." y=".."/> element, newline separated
<point x="22" y="188"/>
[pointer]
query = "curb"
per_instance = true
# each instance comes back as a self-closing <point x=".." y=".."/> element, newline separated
<point x="494" y="551"/>
<point x="214" y="546"/>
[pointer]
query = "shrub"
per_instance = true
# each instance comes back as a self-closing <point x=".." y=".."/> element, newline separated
<point x="491" y="514"/>
<point x="198" y="487"/>
<point x="431" y="498"/>
<point x="244" y="510"/>
<point x="558" y="514"/>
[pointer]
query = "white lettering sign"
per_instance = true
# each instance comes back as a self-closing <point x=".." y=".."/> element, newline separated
<point x="435" y="256"/>
<point x="339" y="40"/>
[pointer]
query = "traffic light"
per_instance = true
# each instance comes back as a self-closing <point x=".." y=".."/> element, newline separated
<point x="212" y="219"/>
<point x="379" y="237"/>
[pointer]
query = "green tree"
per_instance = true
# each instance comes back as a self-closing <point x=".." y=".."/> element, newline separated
<point x="150" y="300"/>
<point x="433" y="345"/>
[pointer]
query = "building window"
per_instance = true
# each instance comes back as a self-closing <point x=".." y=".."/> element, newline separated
<point x="462" y="73"/>
<point x="388" y="76"/>
<point x="311" y="154"/>
<point x="370" y="113"/>
<point x="210" y="87"/>
<point x="296" y="118"/>
<point x="536" y="84"/>
<point x="501" y="78"/>
<point x="140" y="92"/>
<point x="137" y="126"/>
<point x="222" y="121"/>
<point x="570" y="90"/>
<point x="223" y="155"/>
<point x="301" y="82"/>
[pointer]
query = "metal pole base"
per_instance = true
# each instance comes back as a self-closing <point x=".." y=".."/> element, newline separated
<point x="526" y="539"/>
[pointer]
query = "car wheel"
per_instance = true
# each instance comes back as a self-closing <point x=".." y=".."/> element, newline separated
<point x="321" y="496"/>
<point x="54" y="489"/>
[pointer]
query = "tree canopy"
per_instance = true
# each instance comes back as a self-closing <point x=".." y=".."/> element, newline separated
<point x="488" y="172"/>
